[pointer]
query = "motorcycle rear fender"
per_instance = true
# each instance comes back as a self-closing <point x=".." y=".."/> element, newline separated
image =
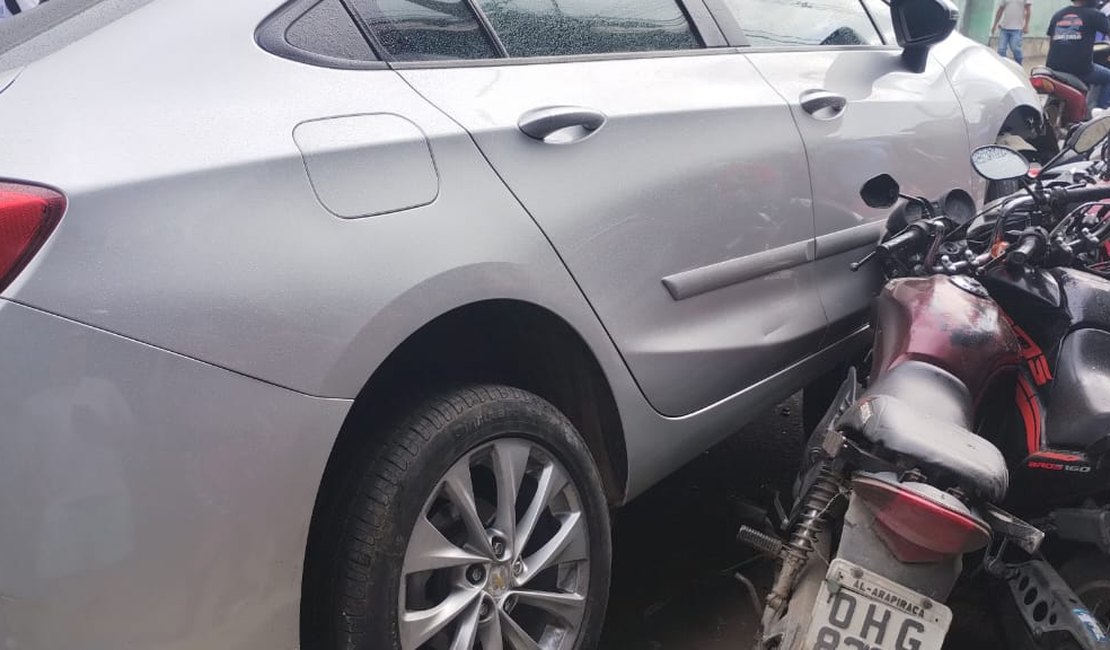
<point x="859" y="544"/>
<point x="1075" y="102"/>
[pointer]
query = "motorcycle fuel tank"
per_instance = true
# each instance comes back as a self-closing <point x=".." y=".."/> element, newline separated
<point x="949" y="322"/>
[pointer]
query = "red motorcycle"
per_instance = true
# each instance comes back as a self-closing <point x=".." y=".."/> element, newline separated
<point x="904" y="479"/>
<point x="1068" y="100"/>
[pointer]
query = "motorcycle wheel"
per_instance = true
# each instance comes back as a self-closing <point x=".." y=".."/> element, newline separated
<point x="1089" y="578"/>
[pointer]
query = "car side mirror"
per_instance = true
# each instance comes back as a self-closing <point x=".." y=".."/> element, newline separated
<point x="919" y="25"/>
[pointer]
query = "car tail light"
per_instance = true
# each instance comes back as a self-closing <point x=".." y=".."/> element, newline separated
<point x="917" y="528"/>
<point x="28" y="214"/>
<point x="1042" y="85"/>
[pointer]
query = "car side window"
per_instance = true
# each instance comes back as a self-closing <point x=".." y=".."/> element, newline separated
<point x="317" y="32"/>
<point x="569" y="27"/>
<point x="426" y="30"/>
<point x="880" y="14"/>
<point x="804" y="23"/>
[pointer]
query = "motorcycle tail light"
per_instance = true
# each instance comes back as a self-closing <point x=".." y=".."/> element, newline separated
<point x="917" y="528"/>
<point x="28" y="214"/>
<point x="1042" y="85"/>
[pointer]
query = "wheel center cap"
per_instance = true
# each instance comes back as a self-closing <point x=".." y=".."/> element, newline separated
<point x="498" y="582"/>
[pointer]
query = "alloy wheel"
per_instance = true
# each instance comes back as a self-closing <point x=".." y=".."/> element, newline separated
<point x="498" y="557"/>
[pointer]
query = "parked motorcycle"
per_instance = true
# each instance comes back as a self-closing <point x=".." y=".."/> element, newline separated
<point x="989" y="387"/>
<point x="1068" y="100"/>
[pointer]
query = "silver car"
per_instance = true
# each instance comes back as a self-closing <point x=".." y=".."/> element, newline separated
<point x="343" y="323"/>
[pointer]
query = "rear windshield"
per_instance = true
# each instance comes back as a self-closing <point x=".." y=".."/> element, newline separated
<point x="31" y="29"/>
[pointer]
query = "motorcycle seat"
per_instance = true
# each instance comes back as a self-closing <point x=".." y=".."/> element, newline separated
<point x="922" y="412"/>
<point x="1062" y="77"/>
<point x="928" y="388"/>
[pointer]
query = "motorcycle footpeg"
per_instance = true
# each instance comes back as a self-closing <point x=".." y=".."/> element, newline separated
<point x="1025" y="536"/>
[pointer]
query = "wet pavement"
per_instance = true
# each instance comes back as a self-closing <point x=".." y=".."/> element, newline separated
<point x="674" y="554"/>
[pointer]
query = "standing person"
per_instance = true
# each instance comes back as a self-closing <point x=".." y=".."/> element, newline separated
<point x="1072" y="32"/>
<point x="1013" y="17"/>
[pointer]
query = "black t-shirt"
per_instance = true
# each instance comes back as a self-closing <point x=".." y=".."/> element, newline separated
<point x="1073" y="38"/>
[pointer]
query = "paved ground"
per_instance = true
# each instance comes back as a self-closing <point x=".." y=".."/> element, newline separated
<point x="674" y="554"/>
<point x="1031" y="62"/>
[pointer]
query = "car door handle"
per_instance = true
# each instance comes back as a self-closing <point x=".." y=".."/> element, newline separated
<point x="823" y="105"/>
<point x="544" y="123"/>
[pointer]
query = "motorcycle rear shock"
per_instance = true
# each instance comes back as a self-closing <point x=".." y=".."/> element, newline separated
<point x="794" y="554"/>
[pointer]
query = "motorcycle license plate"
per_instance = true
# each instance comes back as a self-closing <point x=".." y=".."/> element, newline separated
<point x="860" y="610"/>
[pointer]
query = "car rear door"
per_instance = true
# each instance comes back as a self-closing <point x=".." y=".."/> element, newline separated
<point x="861" y="113"/>
<point x="665" y="171"/>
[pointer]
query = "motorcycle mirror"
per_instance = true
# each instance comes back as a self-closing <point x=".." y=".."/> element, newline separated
<point x="1088" y="135"/>
<point x="880" y="192"/>
<point x="995" y="162"/>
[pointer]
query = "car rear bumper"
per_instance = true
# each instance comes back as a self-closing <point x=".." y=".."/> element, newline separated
<point x="147" y="499"/>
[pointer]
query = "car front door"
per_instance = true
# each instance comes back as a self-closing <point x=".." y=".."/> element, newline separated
<point x="861" y="113"/>
<point x="668" y="175"/>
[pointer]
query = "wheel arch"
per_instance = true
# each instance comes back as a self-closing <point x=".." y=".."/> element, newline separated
<point x="492" y="341"/>
<point x="501" y="341"/>
<point x="1023" y="120"/>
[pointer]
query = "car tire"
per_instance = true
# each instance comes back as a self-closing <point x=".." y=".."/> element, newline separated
<point x="424" y="522"/>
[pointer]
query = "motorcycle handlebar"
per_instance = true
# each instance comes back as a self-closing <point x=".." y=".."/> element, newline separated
<point x="1064" y="196"/>
<point x="1029" y="246"/>
<point x="902" y="240"/>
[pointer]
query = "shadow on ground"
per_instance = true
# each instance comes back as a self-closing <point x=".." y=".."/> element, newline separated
<point x="674" y="553"/>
